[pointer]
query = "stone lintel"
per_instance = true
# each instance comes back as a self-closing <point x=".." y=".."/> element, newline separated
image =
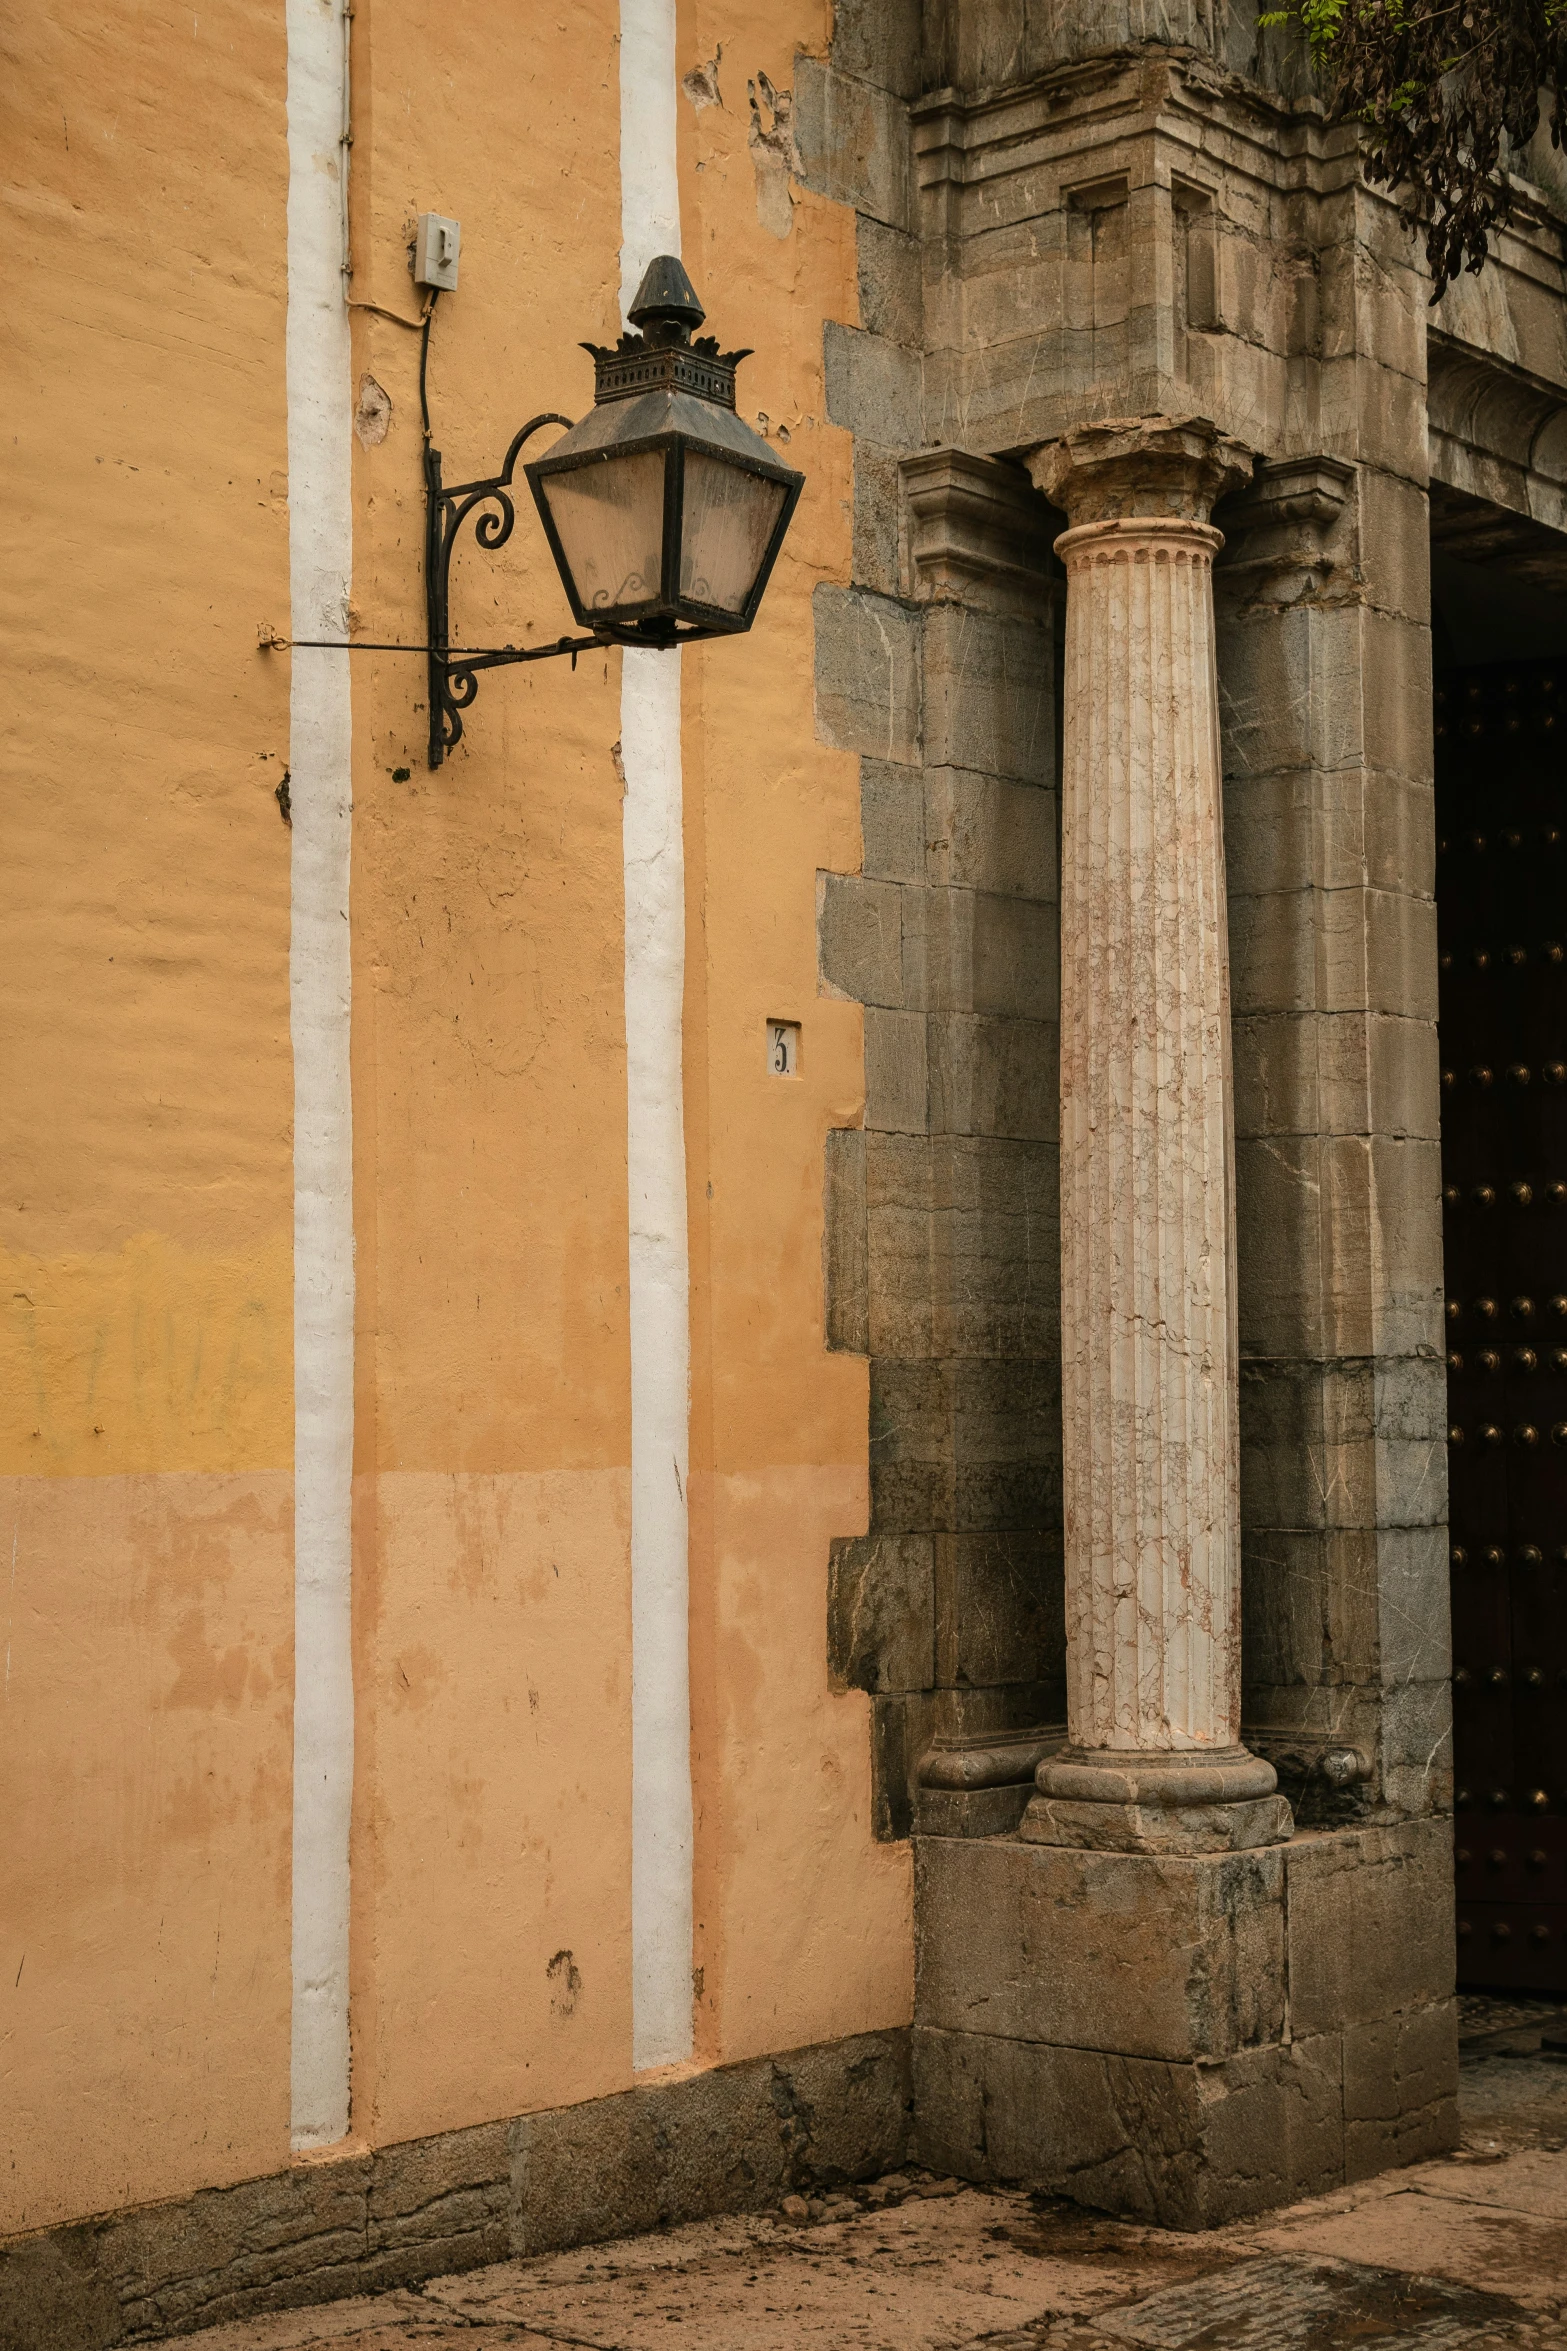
<point x="977" y="532"/>
<point x="1135" y="468"/>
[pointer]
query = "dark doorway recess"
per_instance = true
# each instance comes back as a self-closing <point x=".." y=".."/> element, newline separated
<point x="1501" y="821"/>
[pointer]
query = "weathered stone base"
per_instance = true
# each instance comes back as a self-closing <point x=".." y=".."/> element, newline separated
<point x="725" y="2141"/>
<point x="1193" y="2145"/>
<point x="970" y="1812"/>
<point x="1186" y="2039"/>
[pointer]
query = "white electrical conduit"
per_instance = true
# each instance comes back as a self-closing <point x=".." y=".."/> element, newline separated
<point x="656" y="1169"/>
<point x="320" y="546"/>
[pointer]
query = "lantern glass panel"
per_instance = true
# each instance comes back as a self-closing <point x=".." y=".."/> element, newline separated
<point x="729" y="519"/>
<point x="610" y="521"/>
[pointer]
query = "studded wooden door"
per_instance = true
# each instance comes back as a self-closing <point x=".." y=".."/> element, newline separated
<point x="1501" y="815"/>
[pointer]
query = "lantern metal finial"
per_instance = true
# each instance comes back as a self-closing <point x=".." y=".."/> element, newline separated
<point x="666" y="298"/>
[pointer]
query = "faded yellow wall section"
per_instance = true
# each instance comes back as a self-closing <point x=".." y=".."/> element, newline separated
<point x="145" y="1216"/>
<point x="154" y="1356"/>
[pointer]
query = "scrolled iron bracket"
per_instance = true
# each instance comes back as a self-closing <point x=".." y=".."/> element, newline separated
<point x="454" y="679"/>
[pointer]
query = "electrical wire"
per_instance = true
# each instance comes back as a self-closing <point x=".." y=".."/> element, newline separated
<point x="421" y="323"/>
<point x="431" y="300"/>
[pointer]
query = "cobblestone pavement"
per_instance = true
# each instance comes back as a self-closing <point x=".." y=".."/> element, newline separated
<point x="1467" y="2251"/>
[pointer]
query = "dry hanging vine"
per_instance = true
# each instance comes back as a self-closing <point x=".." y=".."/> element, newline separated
<point x="1438" y="85"/>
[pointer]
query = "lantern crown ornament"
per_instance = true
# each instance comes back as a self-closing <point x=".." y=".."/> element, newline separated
<point x="664" y="511"/>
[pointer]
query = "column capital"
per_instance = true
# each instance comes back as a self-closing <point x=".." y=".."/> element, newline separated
<point x="1170" y="468"/>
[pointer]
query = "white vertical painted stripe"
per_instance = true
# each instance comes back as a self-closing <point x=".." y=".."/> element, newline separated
<point x="320" y="531"/>
<point x="656" y="1158"/>
<point x="649" y="188"/>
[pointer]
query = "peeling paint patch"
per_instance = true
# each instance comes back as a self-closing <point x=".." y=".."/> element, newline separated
<point x="774" y="154"/>
<point x="701" y="83"/>
<point x="372" y="413"/>
<point x="565" y="1981"/>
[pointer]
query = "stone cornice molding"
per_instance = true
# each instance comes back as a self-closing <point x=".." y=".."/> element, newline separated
<point x="1160" y="66"/>
<point x="1140" y="468"/>
<point x="1293" y="491"/>
<point x="949" y="125"/>
<point x="975" y="532"/>
<point x="964" y="137"/>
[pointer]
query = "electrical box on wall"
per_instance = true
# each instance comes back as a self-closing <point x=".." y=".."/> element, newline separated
<point x="436" y="245"/>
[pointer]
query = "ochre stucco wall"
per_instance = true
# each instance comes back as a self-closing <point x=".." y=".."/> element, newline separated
<point x="146" y="1403"/>
<point x="492" y="1609"/>
<point x="147" y="1384"/>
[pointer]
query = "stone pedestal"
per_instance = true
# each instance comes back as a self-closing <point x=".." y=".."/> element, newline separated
<point x="1186" y="2038"/>
<point x="1153" y="1760"/>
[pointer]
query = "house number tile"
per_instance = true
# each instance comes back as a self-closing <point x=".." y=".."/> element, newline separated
<point x="783" y="1048"/>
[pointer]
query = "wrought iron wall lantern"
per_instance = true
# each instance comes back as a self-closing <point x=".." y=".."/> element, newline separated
<point x="663" y="510"/>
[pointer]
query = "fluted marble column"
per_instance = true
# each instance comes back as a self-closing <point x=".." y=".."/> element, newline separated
<point x="1148" y="1326"/>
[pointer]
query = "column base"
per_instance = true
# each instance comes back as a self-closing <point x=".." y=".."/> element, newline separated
<point x="981" y="1786"/>
<point x="1159" y="1828"/>
<point x="1128" y="1800"/>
